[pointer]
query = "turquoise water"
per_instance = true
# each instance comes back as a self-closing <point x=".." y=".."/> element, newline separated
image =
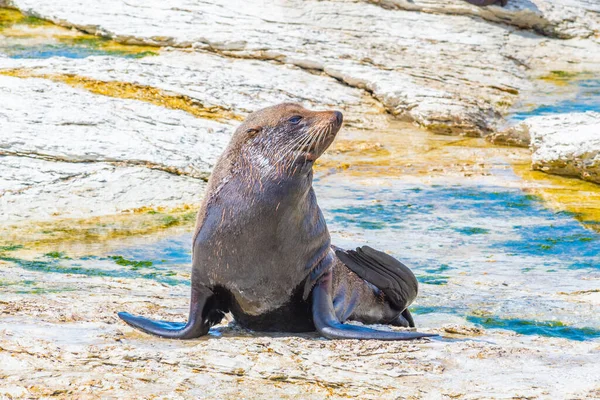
<point x="492" y="249"/>
<point x="541" y="328"/>
<point x="586" y="99"/>
<point x="44" y="51"/>
<point x="555" y="239"/>
<point x="521" y="326"/>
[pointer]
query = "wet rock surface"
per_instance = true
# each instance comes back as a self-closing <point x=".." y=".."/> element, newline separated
<point x="53" y="121"/>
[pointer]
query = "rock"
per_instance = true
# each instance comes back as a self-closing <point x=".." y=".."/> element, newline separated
<point x="446" y="73"/>
<point x="40" y="190"/>
<point x="88" y="153"/>
<point x="47" y="120"/>
<point x="566" y="144"/>
<point x="563" y="19"/>
<point x="209" y="80"/>
<point x="408" y="61"/>
<point x="514" y="136"/>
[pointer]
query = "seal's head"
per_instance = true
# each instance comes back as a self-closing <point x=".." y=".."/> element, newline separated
<point x="286" y="138"/>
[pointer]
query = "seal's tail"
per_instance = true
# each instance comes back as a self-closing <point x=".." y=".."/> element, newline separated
<point x="201" y="318"/>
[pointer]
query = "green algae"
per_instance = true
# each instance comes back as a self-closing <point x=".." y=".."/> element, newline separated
<point x="30" y="287"/>
<point x="12" y="247"/>
<point x="53" y="266"/>
<point x="58" y="255"/>
<point x="68" y="232"/>
<point x="119" y="260"/>
<point x="169" y="220"/>
<point x="561" y="75"/>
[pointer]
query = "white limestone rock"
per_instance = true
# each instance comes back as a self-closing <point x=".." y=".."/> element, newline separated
<point x="564" y="19"/>
<point x="444" y="72"/>
<point x="66" y="152"/>
<point x="447" y="73"/>
<point x="53" y="121"/>
<point x="95" y="155"/>
<point x="238" y="85"/>
<point x="567" y="144"/>
<point x="40" y="190"/>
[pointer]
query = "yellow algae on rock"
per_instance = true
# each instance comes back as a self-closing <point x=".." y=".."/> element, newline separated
<point x="564" y="194"/>
<point x="62" y="233"/>
<point x="128" y="90"/>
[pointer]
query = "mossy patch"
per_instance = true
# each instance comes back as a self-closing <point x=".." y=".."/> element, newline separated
<point x="11" y="247"/>
<point x="30" y="287"/>
<point x="54" y="266"/>
<point x="57" y="255"/>
<point x="119" y="260"/>
<point x="557" y="74"/>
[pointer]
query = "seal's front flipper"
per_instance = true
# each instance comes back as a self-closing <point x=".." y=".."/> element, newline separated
<point x="328" y="325"/>
<point x="201" y="318"/>
<point x="392" y="277"/>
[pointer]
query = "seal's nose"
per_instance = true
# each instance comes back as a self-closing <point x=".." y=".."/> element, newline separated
<point x="339" y="117"/>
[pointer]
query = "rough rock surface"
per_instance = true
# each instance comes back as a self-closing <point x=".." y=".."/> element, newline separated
<point x="48" y="120"/>
<point x="34" y="189"/>
<point x="564" y="19"/>
<point x="567" y="144"/>
<point x="448" y="74"/>
<point x="66" y="151"/>
<point x="238" y="85"/>
<point x="514" y="136"/>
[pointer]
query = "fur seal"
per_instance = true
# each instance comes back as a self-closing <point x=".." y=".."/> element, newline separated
<point x="262" y="251"/>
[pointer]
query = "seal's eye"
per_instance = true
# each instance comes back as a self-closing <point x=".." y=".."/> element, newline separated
<point x="295" y="120"/>
<point x="252" y="131"/>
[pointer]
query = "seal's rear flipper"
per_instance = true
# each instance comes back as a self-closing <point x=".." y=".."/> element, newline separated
<point x="201" y="318"/>
<point x="394" y="279"/>
<point x="328" y="325"/>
